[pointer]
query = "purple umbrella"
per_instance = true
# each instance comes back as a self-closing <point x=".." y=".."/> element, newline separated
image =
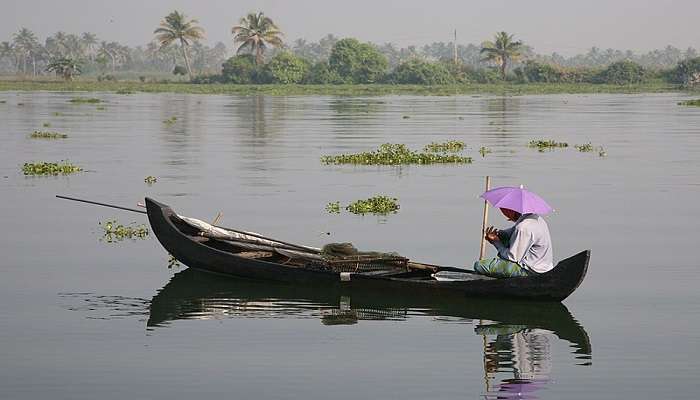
<point x="517" y="199"/>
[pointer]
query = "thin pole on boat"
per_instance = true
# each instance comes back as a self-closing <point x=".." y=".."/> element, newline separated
<point x="101" y="204"/>
<point x="482" y="249"/>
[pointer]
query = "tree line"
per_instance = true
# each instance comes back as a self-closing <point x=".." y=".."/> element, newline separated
<point x="262" y="56"/>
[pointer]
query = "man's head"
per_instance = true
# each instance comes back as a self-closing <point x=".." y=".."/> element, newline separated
<point x="510" y="214"/>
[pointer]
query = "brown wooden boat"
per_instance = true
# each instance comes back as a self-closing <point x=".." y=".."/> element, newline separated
<point x="285" y="262"/>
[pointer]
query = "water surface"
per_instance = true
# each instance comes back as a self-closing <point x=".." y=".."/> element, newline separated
<point x="82" y="317"/>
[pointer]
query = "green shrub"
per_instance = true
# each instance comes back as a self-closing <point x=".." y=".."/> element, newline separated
<point x="687" y="72"/>
<point x="421" y="72"/>
<point x="321" y="73"/>
<point x="622" y="73"/>
<point x="357" y="62"/>
<point x="285" y="68"/>
<point x="240" y="69"/>
<point x="179" y="70"/>
<point x="533" y="71"/>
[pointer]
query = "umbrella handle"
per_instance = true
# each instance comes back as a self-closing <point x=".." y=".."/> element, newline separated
<point x="484" y="221"/>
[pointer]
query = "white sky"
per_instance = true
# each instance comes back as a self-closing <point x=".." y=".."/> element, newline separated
<point x="568" y="27"/>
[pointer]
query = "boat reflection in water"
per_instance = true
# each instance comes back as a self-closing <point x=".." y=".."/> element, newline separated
<point x="517" y="335"/>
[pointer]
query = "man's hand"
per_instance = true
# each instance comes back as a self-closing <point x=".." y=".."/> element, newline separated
<point x="491" y="234"/>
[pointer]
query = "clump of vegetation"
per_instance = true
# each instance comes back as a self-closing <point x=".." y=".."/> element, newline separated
<point x="116" y="232"/>
<point x="484" y="151"/>
<point x="100" y="108"/>
<point x="85" y="100"/>
<point x="380" y="205"/>
<point x="125" y="91"/>
<point x="451" y="146"/>
<point x="695" y="102"/>
<point x="47" y="135"/>
<point x="57" y="114"/>
<point x="333" y="207"/>
<point x="602" y="152"/>
<point x="395" y="154"/>
<point x="170" y="121"/>
<point x="46" y="125"/>
<point x="150" y="179"/>
<point x="172" y="261"/>
<point x="584" y="148"/>
<point x="542" y="145"/>
<point x="49" y="168"/>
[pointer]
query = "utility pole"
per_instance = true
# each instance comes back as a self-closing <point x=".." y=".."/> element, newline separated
<point x="454" y="46"/>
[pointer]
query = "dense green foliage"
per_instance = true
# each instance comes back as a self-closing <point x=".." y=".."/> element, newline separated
<point x="421" y="72"/>
<point x="49" y="168"/>
<point x="623" y="73"/>
<point x="239" y="69"/>
<point x="321" y="73"/>
<point x="695" y="102"/>
<point x="113" y="231"/>
<point x="357" y="62"/>
<point x="395" y="154"/>
<point x="379" y="205"/>
<point x="687" y="72"/>
<point x="285" y="68"/>
<point x="47" y="135"/>
<point x="542" y="145"/>
<point x="451" y="146"/>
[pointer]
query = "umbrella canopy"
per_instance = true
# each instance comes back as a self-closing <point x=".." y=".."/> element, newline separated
<point x="517" y="199"/>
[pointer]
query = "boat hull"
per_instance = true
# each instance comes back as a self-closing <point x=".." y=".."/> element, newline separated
<point x="554" y="285"/>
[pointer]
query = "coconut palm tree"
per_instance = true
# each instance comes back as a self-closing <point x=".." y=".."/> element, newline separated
<point x="501" y="51"/>
<point x="175" y="27"/>
<point x="256" y="32"/>
<point x="90" y="42"/>
<point x="26" y="44"/>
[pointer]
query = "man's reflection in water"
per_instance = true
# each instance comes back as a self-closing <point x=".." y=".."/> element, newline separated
<point x="524" y="353"/>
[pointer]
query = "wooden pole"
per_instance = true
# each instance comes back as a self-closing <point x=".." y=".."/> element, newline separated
<point x="482" y="250"/>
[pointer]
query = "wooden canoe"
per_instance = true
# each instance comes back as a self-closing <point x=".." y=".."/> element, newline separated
<point x="194" y="251"/>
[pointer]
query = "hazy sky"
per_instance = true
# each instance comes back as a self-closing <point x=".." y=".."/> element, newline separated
<point x="568" y="27"/>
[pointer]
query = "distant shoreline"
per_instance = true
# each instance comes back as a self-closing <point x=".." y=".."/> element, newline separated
<point x="127" y="87"/>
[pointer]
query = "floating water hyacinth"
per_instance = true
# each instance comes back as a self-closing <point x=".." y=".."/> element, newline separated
<point x="395" y="154"/>
<point x="47" y="135"/>
<point x="584" y="148"/>
<point x="48" y="168"/>
<point x="451" y="146"/>
<point x="333" y="207"/>
<point x="695" y="102"/>
<point x="116" y="232"/>
<point x="150" y="179"/>
<point x="542" y="145"/>
<point x="380" y="205"/>
<point x="46" y="125"/>
<point x="484" y="151"/>
<point x="85" y="100"/>
<point x="170" y="120"/>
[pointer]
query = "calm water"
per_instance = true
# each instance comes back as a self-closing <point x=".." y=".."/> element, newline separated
<point x="82" y="318"/>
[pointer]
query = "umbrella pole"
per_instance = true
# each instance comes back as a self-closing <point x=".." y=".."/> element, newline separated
<point x="482" y="250"/>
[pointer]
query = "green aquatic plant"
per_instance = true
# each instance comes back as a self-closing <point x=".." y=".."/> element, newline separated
<point x="47" y="135"/>
<point x="150" y="179"/>
<point x="380" y="205"/>
<point x="116" y="232"/>
<point x="170" y="121"/>
<point x="584" y="148"/>
<point x="695" y="102"/>
<point x="542" y="145"/>
<point x="85" y="100"/>
<point x="333" y="207"/>
<point x="451" y="146"/>
<point x="49" y="168"/>
<point x="484" y="151"/>
<point x="46" y="125"/>
<point x="125" y="91"/>
<point x="100" y="108"/>
<point x="57" y="114"/>
<point x="395" y="154"/>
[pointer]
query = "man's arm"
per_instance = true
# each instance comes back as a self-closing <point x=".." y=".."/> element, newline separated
<point x="519" y="244"/>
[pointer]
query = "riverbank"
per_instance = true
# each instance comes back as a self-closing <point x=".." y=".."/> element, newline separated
<point x="126" y="87"/>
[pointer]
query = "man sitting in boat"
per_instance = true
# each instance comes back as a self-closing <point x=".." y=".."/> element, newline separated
<point x="524" y="249"/>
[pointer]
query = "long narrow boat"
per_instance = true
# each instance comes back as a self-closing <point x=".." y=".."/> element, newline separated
<point x="283" y="262"/>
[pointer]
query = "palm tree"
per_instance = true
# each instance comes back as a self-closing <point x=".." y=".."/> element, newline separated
<point x="501" y="51"/>
<point x="90" y="42"/>
<point x="256" y="32"/>
<point x="7" y="49"/>
<point x="175" y="27"/>
<point x="26" y="44"/>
